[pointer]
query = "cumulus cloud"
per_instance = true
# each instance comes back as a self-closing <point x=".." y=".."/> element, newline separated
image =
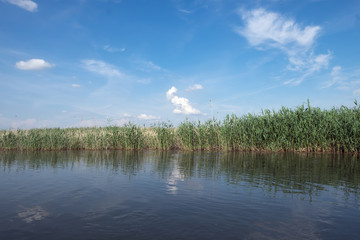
<point x="194" y="87"/>
<point x="144" y="116"/>
<point x="171" y="93"/>
<point x="33" y="64"/>
<point x="28" y="5"/>
<point x="75" y="85"/>
<point x="182" y="105"/>
<point x="101" y="68"/>
<point x="264" y="29"/>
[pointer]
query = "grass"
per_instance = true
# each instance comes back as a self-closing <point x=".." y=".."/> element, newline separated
<point x="304" y="128"/>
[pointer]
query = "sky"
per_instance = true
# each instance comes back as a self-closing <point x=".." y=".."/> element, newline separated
<point x="80" y="63"/>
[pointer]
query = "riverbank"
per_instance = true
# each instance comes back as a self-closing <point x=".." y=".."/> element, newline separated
<point x="304" y="128"/>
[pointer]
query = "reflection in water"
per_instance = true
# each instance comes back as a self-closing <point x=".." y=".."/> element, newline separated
<point x="184" y="195"/>
<point x="29" y="215"/>
<point x="288" y="173"/>
<point x="174" y="177"/>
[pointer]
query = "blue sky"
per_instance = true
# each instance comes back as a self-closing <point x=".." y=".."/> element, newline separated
<point x="106" y="62"/>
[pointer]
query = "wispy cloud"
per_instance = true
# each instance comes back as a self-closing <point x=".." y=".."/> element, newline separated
<point x="28" y="5"/>
<point x="182" y="105"/>
<point x="24" y="124"/>
<point x="148" y="66"/>
<point x="102" y="68"/>
<point x="185" y="11"/>
<point x="194" y="87"/>
<point x="313" y="64"/>
<point x="345" y="80"/>
<point x="264" y="29"/>
<point x="108" y="48"/>
<point x="33" y="64"/>
<point x="75" y="85"/>
<point x="144" y="116"/>
<point x="336" y="77"/>
<point x="144" y="80"/>
<point x="15" y="123"/>
<point x="91" y="123"/>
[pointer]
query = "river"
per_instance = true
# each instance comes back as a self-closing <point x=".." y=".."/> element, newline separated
<point x="178" y="195"/>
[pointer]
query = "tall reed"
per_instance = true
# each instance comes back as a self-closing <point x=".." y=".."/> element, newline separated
<point x="304" y="128"/>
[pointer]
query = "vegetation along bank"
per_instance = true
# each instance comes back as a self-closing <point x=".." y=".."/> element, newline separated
<point x="304" y="128"/>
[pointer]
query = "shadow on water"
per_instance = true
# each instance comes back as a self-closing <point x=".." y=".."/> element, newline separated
<point x="289" y="173"/>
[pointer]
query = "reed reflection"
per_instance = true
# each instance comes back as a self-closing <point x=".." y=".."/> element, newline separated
<point x="287" y="173"/>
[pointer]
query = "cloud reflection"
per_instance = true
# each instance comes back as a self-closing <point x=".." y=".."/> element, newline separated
<point x="30" y="215"/>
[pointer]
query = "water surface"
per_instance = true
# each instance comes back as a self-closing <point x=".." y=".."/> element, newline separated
<point x="172" y="195"/>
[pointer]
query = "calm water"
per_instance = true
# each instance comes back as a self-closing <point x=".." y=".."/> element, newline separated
<point x="170" y="195"/>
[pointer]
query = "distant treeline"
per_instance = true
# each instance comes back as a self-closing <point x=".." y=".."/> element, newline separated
<point x="304" y="128"/>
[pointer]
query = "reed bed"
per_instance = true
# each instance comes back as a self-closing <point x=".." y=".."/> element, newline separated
<point x="304" y="128"/>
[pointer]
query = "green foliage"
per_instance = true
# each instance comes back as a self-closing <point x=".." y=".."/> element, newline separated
<point x="165" y="136"/>
<point x="304" y="128"/>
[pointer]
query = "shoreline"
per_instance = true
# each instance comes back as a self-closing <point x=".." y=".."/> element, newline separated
<point x="303" y="129"/>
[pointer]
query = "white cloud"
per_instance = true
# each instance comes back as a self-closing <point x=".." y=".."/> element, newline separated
<point x="144" y="80"/>
<point x="182" y="10"/>
<point x="102" y="68"/>
<point x="148" y="66"/>
<point x="153" y="66"/>
<point x="24" y="124"/>
<point x="33" y="64"/>
<point x="15" y="123"/>
<point x="171" y="92"/>
<point x="101" y="122"/>
<point x="91" y="123"/>
<point x="120" y="122"/>
<point x="144" y="116"/>
<point x="113" y="49"/>
<point x="28" y="5"/>
<point x="345" y="80"/>
<point x="75" y="85"/>
<point x="356" y="92"/>
<point x="127" y="115"/>
<point x="182" y="105"/>
<point x="264" y="29"/>
<point x="314" y="64"/>
<point x="194" y="87"/>
<point x="336" y="77"/>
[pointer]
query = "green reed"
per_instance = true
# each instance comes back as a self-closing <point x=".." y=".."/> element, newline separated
<point x="304" y="128"/>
